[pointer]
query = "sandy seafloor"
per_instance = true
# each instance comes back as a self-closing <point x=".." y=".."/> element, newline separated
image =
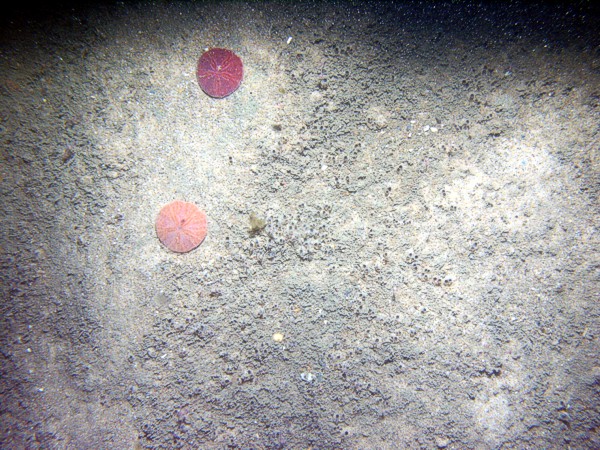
<point x="429" y="177"/>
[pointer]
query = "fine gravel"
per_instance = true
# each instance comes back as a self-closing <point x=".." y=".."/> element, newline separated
<point x="402" y="248"/>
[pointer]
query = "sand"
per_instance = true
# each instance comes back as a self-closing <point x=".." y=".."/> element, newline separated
<point x="402" y="246"/>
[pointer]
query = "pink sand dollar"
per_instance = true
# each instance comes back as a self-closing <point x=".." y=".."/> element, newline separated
<point x="181" y="226"/>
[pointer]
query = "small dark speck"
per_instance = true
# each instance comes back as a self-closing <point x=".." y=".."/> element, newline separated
<point x="67" y="155"/>
<point x="277" y="127"/>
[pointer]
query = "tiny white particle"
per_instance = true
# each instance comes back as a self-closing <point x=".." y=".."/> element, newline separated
<point x="289" y="40"/>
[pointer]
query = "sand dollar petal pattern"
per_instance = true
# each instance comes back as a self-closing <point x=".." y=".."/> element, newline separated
<point x="181" y="226"/>
<point x="220" y="72"/>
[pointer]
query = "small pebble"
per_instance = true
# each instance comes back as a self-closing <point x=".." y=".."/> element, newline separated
<point x="278" y="337"/>
<point x="307" y="376"/>
<point x="442" y="442"/>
